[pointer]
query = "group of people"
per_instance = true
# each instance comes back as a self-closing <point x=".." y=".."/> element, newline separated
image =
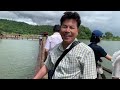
<point x="81" y="61"/>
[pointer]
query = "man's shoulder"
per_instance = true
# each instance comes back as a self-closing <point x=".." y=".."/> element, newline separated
<point x="50" y="38"/>
<point x="55" y="48"/>
<point x="85" y="46"/>
<point x="55" y="35"/>
<point x="95" y="46"/>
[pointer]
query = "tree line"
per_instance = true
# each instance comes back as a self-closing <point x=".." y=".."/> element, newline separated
<point x="10" y="26"/>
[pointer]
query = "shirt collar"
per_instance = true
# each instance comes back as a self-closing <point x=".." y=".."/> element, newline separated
<point x="56" y="33"/>
<point x="61" y="47"/>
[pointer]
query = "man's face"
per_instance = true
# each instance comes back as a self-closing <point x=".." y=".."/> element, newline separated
<point x="69" y="30"/>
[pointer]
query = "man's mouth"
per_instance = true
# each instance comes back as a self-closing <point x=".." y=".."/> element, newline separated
<point x="67" y="36"/>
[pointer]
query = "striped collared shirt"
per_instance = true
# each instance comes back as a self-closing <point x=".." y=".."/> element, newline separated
<point x="78" y="63"/>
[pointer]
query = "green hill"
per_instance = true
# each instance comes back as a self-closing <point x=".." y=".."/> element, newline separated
<point x="9" y="26"/>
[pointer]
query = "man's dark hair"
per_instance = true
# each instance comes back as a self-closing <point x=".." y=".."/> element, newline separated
<point x="94" y="38"/>
<point x="71" y="15"/>
<point x="56" y="28"/>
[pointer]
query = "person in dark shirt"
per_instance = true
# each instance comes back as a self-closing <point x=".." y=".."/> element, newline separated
<point x="98" y="51"/>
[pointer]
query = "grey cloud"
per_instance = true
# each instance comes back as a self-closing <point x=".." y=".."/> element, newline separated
<point x="7" y="15"/>
<point x="40" y="17"/>
<point x="103" y="20"/>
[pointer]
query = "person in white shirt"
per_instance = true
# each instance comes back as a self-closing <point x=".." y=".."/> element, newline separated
<point x="116" y="65"/>
<point x="52" y="41"/>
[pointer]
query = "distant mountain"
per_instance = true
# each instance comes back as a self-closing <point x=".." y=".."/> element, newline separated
<point x="10" y="26"/>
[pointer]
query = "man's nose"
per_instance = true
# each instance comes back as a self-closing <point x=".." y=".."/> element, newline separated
<point x="67" y="29"/>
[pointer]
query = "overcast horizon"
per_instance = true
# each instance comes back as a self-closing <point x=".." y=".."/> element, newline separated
<point x="106" y="21"/>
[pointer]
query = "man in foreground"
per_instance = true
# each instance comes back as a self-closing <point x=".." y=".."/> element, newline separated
<point x="79" y="62"/>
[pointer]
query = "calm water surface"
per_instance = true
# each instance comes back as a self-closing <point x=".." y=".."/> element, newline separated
<point x="18" y="58"/>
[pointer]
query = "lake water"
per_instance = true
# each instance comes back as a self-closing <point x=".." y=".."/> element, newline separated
<point x="18" y="58"/>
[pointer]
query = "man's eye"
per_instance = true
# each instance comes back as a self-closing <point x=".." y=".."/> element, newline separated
<point x="64" y="27"/>
<point x="72" y="28"/>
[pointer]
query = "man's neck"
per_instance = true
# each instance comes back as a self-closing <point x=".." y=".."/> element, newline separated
<point x="65" y="44"/>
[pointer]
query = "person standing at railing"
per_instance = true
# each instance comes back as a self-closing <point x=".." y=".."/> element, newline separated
<point x="51" y="41"/>
<point x="116" y="65"/>
<point x="40" y="39"/>
<point x="98" y="51"/>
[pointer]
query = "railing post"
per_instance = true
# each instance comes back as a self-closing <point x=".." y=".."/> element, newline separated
<point x="41" y="53"/>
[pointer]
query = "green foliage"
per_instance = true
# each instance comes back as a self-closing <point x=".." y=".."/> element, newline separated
<point x="84" y="33"/>
<point x="0" y="32"/>
<point x="23" y="28"/>
<point x="108" y="35"/>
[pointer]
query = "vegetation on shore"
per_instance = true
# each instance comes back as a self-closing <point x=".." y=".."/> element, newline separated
<point x="14" y="27"/>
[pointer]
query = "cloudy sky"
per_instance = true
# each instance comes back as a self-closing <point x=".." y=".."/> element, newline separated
<point x="102" y="20"/>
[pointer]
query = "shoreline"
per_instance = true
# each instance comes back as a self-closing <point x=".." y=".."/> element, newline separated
<point x="33" y="36"/>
